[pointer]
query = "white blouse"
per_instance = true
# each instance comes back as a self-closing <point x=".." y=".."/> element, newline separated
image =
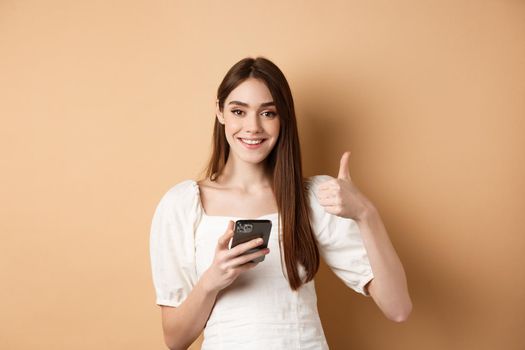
<point x="258" y="310"/>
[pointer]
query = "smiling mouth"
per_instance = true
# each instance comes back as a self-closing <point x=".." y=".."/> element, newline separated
<point x="252" y="141"/>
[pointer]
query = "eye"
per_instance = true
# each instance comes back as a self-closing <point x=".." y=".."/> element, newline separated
<point x="269" y="114"/>
<point x="237" y="112"/>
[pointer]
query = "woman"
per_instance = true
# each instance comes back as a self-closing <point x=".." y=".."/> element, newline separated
<point x="255" y="172"/>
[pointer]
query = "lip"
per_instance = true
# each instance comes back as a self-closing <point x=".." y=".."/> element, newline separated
<point x="251" y="146"/>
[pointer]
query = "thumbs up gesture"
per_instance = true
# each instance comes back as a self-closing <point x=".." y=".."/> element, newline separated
<point x="339" y="196"/>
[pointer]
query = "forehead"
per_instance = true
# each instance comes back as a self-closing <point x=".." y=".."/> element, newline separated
<point x="252" y="91"/>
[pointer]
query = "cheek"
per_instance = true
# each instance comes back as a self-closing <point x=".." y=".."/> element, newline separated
<point x="233" y="122"/>
<point x="231" y="127"/>
<point x="275" y="128"/>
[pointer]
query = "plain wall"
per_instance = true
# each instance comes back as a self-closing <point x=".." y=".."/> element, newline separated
<point x="105" y="105"/>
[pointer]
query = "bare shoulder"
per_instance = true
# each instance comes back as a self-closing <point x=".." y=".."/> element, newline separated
<point x="212" y="196"/>
<point x="209" y="189"/>
<point x="208" y="184"/>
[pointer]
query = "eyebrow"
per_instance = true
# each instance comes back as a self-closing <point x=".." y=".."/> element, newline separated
<point x="265" y="104"/>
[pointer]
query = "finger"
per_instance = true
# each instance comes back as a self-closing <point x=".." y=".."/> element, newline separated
<point x="333" y="209"/>
<point x="329" y="201"/>
<point x="243" y="259"/>
<point x="245" y="267"/>
<point x="343" y="167"/>
<point x="326" y="192"/>
<point x="243" y="247"/>
<point x="323" y="186"/>
<point x="328" y="184"/>
<point x="224" y="240"/>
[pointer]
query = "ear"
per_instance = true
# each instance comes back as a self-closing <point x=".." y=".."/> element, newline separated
<point x="218" y="113"/>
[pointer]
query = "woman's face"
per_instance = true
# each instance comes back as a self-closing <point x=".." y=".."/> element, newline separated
<point x="251" y="122"/>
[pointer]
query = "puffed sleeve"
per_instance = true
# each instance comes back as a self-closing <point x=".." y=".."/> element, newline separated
<point x="339" y="241"/>
<point x="172" y="249"/>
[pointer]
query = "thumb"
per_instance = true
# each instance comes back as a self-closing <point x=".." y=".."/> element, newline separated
<point x="224" y="240"/>
<point x="343" y="167"/>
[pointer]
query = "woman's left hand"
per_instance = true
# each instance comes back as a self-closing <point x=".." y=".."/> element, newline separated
<point x="339" y="196"/>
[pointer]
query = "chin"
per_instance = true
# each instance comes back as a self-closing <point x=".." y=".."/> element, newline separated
<point x="254" y="160"/>
<point x="255" y="157"/>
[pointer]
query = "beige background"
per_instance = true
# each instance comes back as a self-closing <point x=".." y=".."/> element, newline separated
<point x="107" y="104"/>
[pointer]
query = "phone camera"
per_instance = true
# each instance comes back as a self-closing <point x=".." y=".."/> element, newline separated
<point x="245" y="228"/>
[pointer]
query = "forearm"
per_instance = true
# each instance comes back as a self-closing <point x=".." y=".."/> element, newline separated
<point x="389" y="286"/>
<point x="182" y="325"/>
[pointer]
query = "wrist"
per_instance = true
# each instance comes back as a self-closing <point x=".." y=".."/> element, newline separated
<point x="367" y="214"/>
<point x="207" y="287"/>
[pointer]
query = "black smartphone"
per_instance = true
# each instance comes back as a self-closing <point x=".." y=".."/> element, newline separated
<point x="246" y="230"/>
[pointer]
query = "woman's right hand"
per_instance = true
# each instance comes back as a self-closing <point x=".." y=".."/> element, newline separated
<point x="228" y="264"/>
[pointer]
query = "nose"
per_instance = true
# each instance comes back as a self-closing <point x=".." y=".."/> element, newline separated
<point x="252" y="123"/>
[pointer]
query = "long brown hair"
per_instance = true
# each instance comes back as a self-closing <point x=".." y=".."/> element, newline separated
<point x="284" y="162"/>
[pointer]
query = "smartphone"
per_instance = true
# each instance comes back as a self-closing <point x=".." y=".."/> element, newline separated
<point x="246" y="230"/>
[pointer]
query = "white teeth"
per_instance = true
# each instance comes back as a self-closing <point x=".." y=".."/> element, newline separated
<point x="251" y="142"/>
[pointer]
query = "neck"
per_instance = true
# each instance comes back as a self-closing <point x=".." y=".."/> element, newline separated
<point x="245" y="176"/>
